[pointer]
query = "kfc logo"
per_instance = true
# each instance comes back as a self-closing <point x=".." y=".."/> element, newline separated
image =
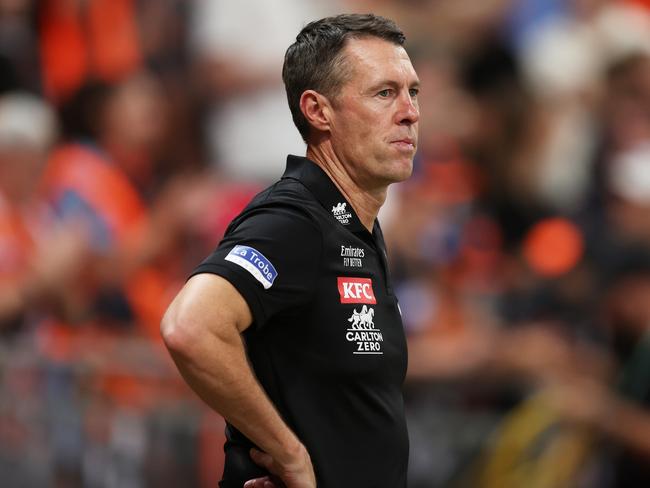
<point x="356" y="290"/>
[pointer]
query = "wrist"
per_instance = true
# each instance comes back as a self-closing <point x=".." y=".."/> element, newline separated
<point x="293" y="454"/>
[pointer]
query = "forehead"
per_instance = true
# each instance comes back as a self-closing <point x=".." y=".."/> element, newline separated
<point x="372" y="60"/>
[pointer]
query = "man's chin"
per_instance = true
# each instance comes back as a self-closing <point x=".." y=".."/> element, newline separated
<point x="403" y="170"/>
<point x="398" y="176"/>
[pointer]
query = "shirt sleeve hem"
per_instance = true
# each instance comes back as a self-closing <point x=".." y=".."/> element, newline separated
<point x="241" y="283"/>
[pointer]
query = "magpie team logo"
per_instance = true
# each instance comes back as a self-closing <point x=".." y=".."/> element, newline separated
<point x="339" y="208"/>
<point x="341" y="213"/>
<point x="255" y="263"/>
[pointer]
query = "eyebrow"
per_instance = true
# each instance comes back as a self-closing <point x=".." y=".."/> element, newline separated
<point x="393" y="84"/>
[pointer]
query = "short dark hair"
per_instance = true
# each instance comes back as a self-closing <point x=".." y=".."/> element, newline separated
<point x="315" y="62"/>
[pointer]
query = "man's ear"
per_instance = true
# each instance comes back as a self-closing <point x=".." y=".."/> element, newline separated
<point x="317" y="109"/>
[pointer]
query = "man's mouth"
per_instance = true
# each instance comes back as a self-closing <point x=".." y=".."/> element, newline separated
<point x="405" y="143"/>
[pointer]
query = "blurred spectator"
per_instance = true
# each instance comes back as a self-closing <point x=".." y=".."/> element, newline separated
<point x="104" y="41"/>
<point x="563" y="58"/>
<point x="239" y="47"/>
<point x="616" y="411"/>
<point x="32" y="273"/>
<point x="116" y="146"/>
<point x="82" y="40"/>
<point x="626" y="151"/>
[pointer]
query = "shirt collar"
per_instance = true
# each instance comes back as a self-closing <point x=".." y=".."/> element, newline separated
<point x="325" y="191"/>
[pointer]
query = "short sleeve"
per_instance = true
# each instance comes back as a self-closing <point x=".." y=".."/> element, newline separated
<point x="271" y="257"/>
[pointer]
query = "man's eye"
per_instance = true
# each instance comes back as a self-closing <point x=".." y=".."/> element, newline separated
<point x="384" y="93"/>
<point x="414" y="92"/>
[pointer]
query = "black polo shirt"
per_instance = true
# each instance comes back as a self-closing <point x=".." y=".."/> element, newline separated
<point x="327" y="342"/>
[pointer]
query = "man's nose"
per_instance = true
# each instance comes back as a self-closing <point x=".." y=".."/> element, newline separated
<point x="408" y="112"/>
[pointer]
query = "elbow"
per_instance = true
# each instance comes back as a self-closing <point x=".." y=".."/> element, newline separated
<point x="175" y="334"/>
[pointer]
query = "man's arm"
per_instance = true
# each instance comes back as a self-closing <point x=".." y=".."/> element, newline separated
<point x="201" y="329"/>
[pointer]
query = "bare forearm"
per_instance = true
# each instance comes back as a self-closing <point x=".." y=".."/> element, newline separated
<point x="202" y="330"/>
<point x="217" y="370"/>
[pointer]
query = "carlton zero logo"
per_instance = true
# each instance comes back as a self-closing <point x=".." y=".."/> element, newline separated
<point x="367" y="339"/>
<point x="356" y="290"/>
<point x="255" y="263"/>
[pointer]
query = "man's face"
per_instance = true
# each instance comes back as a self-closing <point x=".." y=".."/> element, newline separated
<point x="374" y="124"/>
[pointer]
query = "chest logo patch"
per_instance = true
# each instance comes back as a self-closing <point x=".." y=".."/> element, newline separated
<point x="352" y="256"/>
<point x="341" y="213"/>
<point x="362" y="333"/>
<point x="255" y="263"/>
<point x="356" y="290"/>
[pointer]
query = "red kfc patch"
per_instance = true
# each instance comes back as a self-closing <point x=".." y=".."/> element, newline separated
<point x="356" y="290"/>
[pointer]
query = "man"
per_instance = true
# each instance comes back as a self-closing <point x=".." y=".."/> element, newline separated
<point x="312" y="398"/>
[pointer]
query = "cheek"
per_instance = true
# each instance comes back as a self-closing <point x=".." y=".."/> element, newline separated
<point x="353" y="130"/>
<point x="361" y="131"/>
<point x="364" y="115"/>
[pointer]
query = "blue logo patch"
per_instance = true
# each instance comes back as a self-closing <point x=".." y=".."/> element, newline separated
<point x="255" y="263"/>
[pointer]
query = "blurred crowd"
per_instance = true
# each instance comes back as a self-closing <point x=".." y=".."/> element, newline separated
<point x="133" y="131"/>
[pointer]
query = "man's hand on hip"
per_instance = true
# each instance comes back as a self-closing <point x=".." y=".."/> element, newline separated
<point x="297" y="474"/>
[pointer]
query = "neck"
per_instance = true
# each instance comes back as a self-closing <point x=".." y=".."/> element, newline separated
<point x="365" y="200"/>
